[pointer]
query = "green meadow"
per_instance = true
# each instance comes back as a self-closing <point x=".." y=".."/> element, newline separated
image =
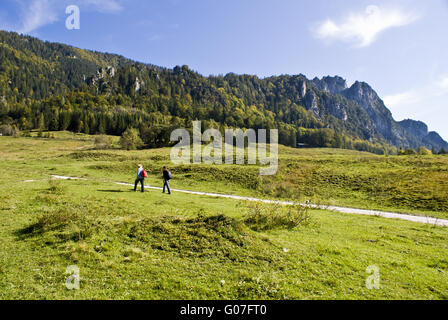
<point x="131" y="245"/>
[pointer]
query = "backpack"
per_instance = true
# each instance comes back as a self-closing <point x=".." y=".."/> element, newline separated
<point x="144" y="174"/>
<point x="170" y="175"/>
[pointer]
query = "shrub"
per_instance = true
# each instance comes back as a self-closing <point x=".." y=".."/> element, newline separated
<point x="64" y="224"/>
<point x="55" y="220"/>
<point x="424" y="152"/>
<point x="407" y="152"/>
<point x="267" y="217"/>
<point x="102" y="142"/>
<point x="56" y="187"/>
<point x="130" y="140"/>
<point x="8" y="130"/>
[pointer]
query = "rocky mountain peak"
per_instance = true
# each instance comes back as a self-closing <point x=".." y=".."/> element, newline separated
<point x="333" y="85"/>
<point x="366" y="97"/>
<point x="361" y="92"/>
<point x="434" y="140"/>
<point x="417" y="128"/>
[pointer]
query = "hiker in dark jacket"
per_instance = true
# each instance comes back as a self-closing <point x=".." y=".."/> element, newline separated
<point x="140" y="178"/>
<point x="166" y="179"/>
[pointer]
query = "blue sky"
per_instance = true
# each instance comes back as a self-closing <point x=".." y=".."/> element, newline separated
<point x="398" y="46"/>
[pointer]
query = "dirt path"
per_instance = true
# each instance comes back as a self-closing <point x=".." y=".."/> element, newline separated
<point x="389" y="215"/>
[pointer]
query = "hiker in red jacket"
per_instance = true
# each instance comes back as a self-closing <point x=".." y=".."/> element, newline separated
<point x="141" y="175"/>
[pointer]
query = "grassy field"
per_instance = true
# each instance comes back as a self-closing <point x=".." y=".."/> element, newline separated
<point x="153" y="246"/>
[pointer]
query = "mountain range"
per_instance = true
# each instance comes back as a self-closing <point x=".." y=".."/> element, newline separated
<point x="52" y="86"/>
<point x="406" y="133"/>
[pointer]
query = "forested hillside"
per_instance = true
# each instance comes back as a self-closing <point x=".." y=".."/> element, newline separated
<point x="50" y="86"/>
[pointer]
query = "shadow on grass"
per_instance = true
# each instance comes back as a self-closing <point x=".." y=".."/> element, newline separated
<point x="29" y="231"/>
<point x="112" y="191"/>
<point x="49" y="222"/>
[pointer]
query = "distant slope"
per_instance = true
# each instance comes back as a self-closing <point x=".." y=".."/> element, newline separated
<point x="58" y="87"/>
<point x="31" y="68"/>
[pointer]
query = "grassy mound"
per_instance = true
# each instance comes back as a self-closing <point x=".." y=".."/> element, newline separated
<point x="262" y="218"/>
<point x="217" y="237"/>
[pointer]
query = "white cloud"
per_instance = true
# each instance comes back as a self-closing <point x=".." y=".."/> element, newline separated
<point x="363" y="28"/>
<point x="434" y="89"/>
<point x="443" y="83"/>
<point x="36" y="15"/>
<point x="400" y="99"/>
<point x="427" y="103"/>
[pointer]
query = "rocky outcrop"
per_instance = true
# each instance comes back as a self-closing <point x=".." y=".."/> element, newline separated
<point x="137" y="84"/>
<point x="368" y="99"/>
<point x="381" y="124"/>
<point x="312" y="104"/>
<point x="336" y="108"/>
<point x="434" y="140"/>
<point x="101" y="74"/>
<point x="333" y="85"/>
<point x="303" y="89"/>
<point x="417" y="128"/>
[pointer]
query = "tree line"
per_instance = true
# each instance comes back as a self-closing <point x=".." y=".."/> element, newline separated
<point x="53" y="87"/>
